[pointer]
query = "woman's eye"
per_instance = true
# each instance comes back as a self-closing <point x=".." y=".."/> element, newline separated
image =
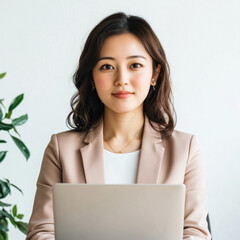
<point x="136" y="65"/>
<point x="106" y="67"/>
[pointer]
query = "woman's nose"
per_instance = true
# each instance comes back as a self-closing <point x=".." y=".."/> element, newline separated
<point x="122" y="78"/>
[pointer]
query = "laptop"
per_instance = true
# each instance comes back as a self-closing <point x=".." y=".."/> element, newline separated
<point x="118" y="211"/>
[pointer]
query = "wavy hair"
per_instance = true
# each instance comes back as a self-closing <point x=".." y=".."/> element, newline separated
<point x="87" y="108"/>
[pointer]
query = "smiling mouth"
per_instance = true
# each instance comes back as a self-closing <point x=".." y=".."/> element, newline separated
<point x="122" y="95"/>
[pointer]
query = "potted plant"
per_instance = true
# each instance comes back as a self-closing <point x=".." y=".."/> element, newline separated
<point x="9" y="212"/>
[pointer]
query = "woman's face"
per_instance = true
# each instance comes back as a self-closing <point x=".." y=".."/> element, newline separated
<point x="123" y="73"/>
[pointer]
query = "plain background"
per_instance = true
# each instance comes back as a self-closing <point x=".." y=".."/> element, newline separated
<point x="40" y="44"/>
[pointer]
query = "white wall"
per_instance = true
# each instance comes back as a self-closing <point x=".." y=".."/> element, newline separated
<point x="40" y="44"/>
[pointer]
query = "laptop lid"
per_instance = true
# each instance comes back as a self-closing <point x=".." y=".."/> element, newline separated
<point x="118" y="211"/>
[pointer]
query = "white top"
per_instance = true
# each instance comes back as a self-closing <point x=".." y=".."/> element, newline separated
<point x="121" y="168"/>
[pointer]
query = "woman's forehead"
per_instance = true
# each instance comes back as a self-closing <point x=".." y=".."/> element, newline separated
<point x="123" y="45"/>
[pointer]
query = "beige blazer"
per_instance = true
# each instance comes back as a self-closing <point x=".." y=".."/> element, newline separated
<point x="74" y="157"/>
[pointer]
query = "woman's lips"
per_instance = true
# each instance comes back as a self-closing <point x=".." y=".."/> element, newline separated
<point x="122" y="95"/>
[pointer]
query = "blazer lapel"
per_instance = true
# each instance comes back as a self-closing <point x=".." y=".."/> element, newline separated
<point x="151" y="155"/>
<point x="149" y="163"/>
<point x="92" y="156"/>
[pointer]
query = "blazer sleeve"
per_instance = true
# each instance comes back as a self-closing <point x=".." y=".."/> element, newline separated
<point x="196" y="210"/>
<point x="41" y="224"/>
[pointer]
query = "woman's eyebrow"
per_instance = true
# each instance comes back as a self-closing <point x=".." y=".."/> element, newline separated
<point x="129" y="57"/>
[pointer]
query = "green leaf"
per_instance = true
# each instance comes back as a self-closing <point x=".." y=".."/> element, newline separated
<point x="17" y="188"/>
<point x="2" y="75"/>
<point x="10" y="184"/>
<point x="8" y="115"/>
<point x="2" y="204"/>
<point x="7" y="181"/>
<point x="5" y="126"/>
<point x="22" y="147"/>
<point x="12" y="220"/>
<point x="4" y="189"/>
<point x="19" y="121"/>
<point x="3" y="227"/>
<point x="1" y="102"/>
<point x="1" y="114"/>
<point x="15" y="130"/>
<point x="2" y="141"/>
<point x="4" y="222"/>
<point x="22" y="226"/>
<point x="14" y="210"/>
<point x="2" y="155"/>
<point x="3" y="235"/>
<point x="15" y="102"/>
<point x="20" y="216"/>
<point x="6" y="214"/>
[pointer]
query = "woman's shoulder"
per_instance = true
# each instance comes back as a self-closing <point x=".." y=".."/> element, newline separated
<point x="71" y="137"/>
<point x="69" y="133"/>
<point x="182" y="139"/>
<point x="180" y="142"/>
<point x="175" y="135"/>
<point x="181" y="136"/>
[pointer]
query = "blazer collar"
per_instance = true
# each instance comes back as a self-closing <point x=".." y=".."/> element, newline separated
<point x="150" y="160"/>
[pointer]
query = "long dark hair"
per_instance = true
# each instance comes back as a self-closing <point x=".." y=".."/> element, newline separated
<point x="87" y="108"/>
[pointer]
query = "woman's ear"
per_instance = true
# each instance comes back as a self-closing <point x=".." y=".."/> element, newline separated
<point x="157" y="72"/>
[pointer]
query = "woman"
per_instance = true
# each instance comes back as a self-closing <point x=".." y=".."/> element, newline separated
<point x="123" y="126"/>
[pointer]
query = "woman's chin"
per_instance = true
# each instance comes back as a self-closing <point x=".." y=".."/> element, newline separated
<point x="123" y="109"/>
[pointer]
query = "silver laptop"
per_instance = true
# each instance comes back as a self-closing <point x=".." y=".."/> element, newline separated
<point x="118" y="211"/>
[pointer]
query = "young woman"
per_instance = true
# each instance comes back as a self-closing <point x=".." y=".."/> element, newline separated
<point x="123" y="126"/>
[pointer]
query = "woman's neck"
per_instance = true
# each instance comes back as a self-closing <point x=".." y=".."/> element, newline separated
<point x="122" y="132"/>
<point x="123" y="126"/>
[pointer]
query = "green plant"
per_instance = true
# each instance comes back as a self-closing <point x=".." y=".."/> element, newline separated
<point x="8" y="213"/>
